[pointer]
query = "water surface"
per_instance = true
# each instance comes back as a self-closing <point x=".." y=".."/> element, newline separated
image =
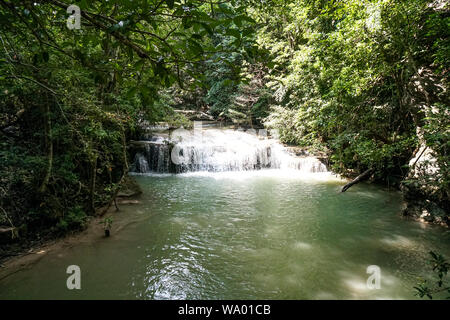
<point x="245" y="235"/>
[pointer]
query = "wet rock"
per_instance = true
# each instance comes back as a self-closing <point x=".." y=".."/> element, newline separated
<point x="120" y="201"/>
<point x="426" y="211"/>
<point x="130" y="188"/>
<point x="421" y="188"/>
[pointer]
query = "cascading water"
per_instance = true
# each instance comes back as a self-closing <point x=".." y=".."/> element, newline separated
<point x="154" y="156"/>
<point x="217" y="151"/>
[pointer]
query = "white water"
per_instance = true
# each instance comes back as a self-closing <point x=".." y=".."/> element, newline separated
<point x="214" y="150"/>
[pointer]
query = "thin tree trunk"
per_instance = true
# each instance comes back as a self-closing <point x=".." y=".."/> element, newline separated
<point x="363" y="176"/>
<point x="93" y="177"/>
<point x="124" y="175"/>
<point x="49" y="145"/>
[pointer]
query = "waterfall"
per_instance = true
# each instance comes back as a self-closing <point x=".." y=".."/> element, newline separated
<point x="154" y="156"/>
<point x="217" y="151"/>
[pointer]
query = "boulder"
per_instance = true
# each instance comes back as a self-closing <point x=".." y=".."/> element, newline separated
<point x="129" y="188"/>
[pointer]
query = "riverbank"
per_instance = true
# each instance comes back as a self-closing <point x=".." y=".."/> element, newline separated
<point x="93" y="233"/>
<point x="26" y="253"/>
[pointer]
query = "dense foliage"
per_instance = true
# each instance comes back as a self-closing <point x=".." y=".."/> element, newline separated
<point x="72" y="98"/>
<point x="436" y="287"/>
<point x="357" y="77"/>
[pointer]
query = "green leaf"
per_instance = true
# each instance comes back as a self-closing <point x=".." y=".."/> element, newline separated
<point x="186" y="22"/>
<point x="227" y="82"/>
<point x="131" y="92"/>
<point x="224" y="8"/>
<point x="139" y="64"/>
<point x="195" y="46"/>
<point x="207" y="28"/>
<point x="238" y="21"/>
<point x="233" y="32"/>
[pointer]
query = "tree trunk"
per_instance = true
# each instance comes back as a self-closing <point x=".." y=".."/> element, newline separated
<point x="363" y="176"/>
<point x="92" y="191"/>
<point x="124" y="174"/>
<point x="49" y="146"/>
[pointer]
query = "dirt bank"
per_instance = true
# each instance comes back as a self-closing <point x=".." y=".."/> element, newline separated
<point x="94" y="232"/>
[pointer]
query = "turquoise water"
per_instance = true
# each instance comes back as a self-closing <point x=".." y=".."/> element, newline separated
<point x="250" y="235"/>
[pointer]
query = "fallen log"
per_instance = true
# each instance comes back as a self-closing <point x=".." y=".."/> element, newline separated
<point x="363" y="176"/>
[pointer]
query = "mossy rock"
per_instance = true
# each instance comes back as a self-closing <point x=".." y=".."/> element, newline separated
<point x="130" y="188"/>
